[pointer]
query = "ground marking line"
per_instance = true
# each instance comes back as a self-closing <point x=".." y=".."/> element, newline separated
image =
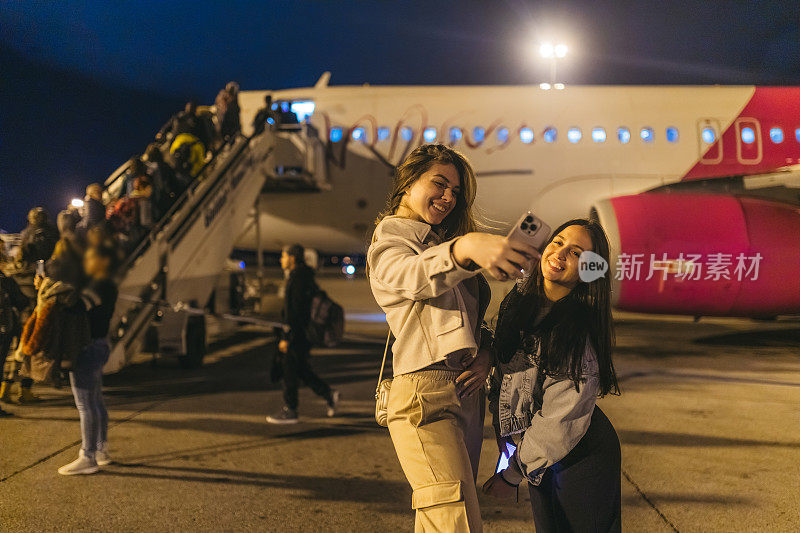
<point x="649" y="501"/>
<point x="78" y="442"/>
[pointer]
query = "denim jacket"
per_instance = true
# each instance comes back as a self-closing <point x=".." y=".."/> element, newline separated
<point x="550" y="415"/>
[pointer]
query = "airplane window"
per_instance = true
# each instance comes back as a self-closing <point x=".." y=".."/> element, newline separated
<point x="455" y="134"/>
<point x="599" y="135"/>
<point x="502" y="135"/>
<point x="646" y="134"/>
<point x="797" y="134"/>
<point x="383" y="133"/>
<point x="624" y="135"/>
<point x="478" y="134"/>
<point x="526" y="135"/>
<point x="672" y="134"/>
<point x="776" y="134"/>
<point x="748" y="135"/>
<point x="429" y="134"/>
<point x="406" y="134"/>
<point x="550" y="135"/>
<point x="359" y="135"/>
<point x="574" y="135"/>
<point x="336" y="135"/>
<point x="708" y="135"/>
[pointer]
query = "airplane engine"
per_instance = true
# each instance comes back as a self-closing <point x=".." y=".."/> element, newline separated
<point x="702" y="254"/>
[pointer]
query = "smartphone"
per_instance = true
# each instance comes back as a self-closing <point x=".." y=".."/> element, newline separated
<point x="531" y="230"/>
<point x="40" y="268"/>
<point x="505" y="455"/>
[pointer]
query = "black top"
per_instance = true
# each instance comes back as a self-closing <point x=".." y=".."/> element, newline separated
<point x="98" y="299"/>
<point x="300" y="290"/>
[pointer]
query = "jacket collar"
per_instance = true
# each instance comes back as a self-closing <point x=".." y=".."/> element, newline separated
<point x="419" y="229"/>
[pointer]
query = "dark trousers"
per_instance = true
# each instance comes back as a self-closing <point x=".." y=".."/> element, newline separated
<point x="582" y="492"/>
<point x="296" y="367"/>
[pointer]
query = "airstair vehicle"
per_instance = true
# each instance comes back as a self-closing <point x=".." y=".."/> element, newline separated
<point x="168" y="281"/>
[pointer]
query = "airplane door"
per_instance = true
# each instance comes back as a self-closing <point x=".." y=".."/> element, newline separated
<point x="709" y="141"/>
<point x="748" y="141"/>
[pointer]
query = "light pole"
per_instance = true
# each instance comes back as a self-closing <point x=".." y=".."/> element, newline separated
<point x="553" y="52"/>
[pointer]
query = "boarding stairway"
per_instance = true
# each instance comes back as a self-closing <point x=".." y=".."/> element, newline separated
<point x="168" y="281"/>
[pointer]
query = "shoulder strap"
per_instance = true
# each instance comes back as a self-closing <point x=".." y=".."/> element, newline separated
<point x="383" y="362"/>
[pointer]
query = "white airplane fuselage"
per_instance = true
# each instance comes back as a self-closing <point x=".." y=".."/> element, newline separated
<point x="557" y="180"/>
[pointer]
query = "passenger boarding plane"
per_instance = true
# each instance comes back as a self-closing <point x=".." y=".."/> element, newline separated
<point x="701" y="180"/>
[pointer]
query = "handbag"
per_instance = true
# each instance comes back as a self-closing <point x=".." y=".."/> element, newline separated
<point x="382" y="391"/>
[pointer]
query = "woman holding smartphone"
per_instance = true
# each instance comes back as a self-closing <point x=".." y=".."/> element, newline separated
<point x="424" y="269"/>
<point x="553" y="344"/>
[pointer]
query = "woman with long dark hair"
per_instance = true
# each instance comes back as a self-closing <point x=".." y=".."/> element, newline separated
<point x="424" y="270"/>
<point x="553" y="343"/>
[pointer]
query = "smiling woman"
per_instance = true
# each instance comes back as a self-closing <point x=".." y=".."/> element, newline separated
<point x="424" y="268"/>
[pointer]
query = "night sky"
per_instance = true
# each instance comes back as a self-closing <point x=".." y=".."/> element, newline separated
<point x="86" y="85"/>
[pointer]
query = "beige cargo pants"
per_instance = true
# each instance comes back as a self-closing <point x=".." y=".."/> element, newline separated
<point x="438" y="438"/>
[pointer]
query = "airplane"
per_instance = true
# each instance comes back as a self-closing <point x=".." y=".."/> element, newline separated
<point x="697" y="180"/>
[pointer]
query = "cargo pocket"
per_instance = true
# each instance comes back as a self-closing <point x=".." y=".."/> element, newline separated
<point x="436" y="494"/>
<point x="436" y="405"/>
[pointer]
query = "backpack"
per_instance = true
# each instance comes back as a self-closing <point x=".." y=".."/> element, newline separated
<point x="326" y="321"/>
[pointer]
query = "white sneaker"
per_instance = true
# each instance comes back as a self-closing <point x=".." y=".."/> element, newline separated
<point x="102" y="457"/>
<point x="82" y="465"/>
<point x="333" y="403"/>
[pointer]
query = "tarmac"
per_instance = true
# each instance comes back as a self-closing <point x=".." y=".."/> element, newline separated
<point x="708" y="420"/>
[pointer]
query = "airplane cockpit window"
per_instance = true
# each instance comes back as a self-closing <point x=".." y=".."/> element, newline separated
<point x="672" y="134"/>
<point x="776" y="134"/>
<point x="406" y="133"/>
<point x="624" y="135"/>
<point x="646" y="134"/>
<point x="574" y="135"/>
<point x="708" y="135"/>
<point x="550" y="134"/>
<point x="302" y="109"/>
<point x="455" y="134"/>
<point x="526" y="135"/>
<point x="599" y="135"/>
<point x="359" y="134"/>
<point x="383" y="133"/>
<point x="502" y="136"/>
<point x="429" y="134"/>
<point x="336" y="135"/>
<point x="748" y="135"/>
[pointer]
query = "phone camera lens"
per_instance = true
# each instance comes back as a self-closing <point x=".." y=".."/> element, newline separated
<point x="533" y="227"/>
<point x="528" y="219"/>
<point x="523" y="225"/>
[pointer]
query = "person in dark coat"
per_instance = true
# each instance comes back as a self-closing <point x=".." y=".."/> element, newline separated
<point x="12" y="304"/>
<point x="39" y="237"/>
<point x="227" y="111"/>
<point x="294" y="346"/>
<point x="94" y="210"/>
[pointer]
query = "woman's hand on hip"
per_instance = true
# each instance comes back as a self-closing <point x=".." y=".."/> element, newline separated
<point x="474" y="377"/>
<point x="503" y="258"/>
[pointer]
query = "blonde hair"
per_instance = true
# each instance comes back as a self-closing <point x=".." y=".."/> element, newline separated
<point x="461" y="220"/>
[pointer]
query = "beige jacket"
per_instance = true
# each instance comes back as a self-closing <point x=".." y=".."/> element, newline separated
<point x="419" y="286"/>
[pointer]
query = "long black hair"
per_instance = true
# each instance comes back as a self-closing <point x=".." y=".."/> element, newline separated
<point x="583" y="313"/>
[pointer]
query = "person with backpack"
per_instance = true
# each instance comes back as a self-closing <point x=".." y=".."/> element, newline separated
<point x="294" y="346"/>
